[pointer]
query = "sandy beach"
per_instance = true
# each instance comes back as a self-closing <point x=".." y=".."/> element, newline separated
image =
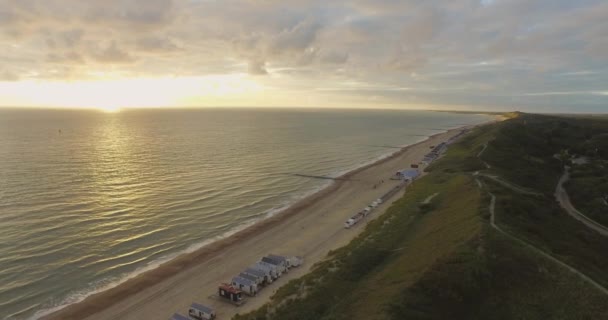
<point x="310" y="228"/>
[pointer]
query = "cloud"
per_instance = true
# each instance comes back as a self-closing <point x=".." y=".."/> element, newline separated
<point x="69" y="57"/>
<point x="156" y="45"/>
<point x="541" y="45"/>
<point x="296" y="39"/>
<point x="333" y="57"/>
<point x="8" y="76"/>
<point x="112" y="54"/>
<point x="257" y="67"/>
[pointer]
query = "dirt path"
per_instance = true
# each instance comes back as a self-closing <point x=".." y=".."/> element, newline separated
<point x="564" y="200"/>
<point x="492" y="207"/>
<point x="510" y="185"/>
<point x="485" y="146"/>
<point x="507" y="184"/>
<point x="538" y="251"/>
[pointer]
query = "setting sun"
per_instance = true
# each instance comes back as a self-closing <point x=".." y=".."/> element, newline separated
<point x="110" y="109"/>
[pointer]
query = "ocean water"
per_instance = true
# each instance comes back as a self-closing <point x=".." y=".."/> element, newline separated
<point x="89" y="199"/>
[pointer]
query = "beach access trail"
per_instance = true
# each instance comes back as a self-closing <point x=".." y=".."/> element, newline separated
<point x="310" y="228"/>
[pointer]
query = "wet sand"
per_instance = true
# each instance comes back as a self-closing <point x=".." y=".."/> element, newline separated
<point x="310" y="228"/>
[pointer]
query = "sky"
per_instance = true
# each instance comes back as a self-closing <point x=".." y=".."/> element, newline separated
<point x="540" y="55"/>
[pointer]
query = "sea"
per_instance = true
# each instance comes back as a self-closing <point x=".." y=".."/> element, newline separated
<point x="89" y="199"/>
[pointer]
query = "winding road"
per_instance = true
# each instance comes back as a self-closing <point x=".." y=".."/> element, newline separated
<point x="564" y="200"/>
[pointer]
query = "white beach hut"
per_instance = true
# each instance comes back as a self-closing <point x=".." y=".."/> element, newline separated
<point x="272" y="269"/>
<point x="257" y="280"/>
<point x="281" y="267"/>
<point x="247" y="286"/>
<point x="265" y="275"/>
<point x="201" y="312"/>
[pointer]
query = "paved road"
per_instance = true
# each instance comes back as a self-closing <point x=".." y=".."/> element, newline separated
<point x="564" y="200"/>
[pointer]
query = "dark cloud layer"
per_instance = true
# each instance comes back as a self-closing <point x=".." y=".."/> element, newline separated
<point x="504" y="53"/>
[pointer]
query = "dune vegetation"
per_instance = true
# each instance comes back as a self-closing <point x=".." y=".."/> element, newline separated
<point x="442" y="259"/>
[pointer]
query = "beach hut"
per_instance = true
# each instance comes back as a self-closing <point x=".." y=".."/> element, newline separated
<point x="296" y="261"/>
<point x="286" y="262"/>
<point x="201" y="312"/>
<point x="441" y="148"/>
<point x="279" y="264"/>
<point x="247" y="286"/>
<point x="349" y="223"/>
<point x="429" y="157"/>
<point x="274" y="271"/>
<point x="353" y="220"/>
<point x="177" y="316"/>
<point x="257" y="280"/>
<point x="265" y="275"/>
<point x="271" y="270"/>
<point x="231" y="293"/>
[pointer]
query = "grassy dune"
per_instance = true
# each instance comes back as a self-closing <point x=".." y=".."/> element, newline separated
<point x="442" y="260"/>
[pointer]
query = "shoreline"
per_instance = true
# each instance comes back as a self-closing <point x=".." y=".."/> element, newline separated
<point x="186" y="262"/>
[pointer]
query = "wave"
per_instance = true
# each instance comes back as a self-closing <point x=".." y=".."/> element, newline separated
<point x="111" y="282"/>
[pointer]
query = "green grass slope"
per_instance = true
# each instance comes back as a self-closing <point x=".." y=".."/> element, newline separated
<point x="442" y="260"/>
<point x="588" y="189"/>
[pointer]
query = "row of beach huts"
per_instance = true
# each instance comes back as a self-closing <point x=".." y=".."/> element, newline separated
<point x="460" y="134"/>
<point x="261" y="274"/>
<point x="435" y="153"/>
<point x="406" y="176"/>
<point x="368" y="210"/>
<point x="249" y="282"/>
<point x="362" y="214"/>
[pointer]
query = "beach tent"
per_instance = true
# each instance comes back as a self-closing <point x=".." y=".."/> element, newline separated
<point x="410" y="174"/>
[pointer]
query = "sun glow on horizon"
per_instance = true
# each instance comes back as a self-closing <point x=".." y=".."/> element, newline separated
<point x="112" y="95"/>
<point x="110" y="109"/>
